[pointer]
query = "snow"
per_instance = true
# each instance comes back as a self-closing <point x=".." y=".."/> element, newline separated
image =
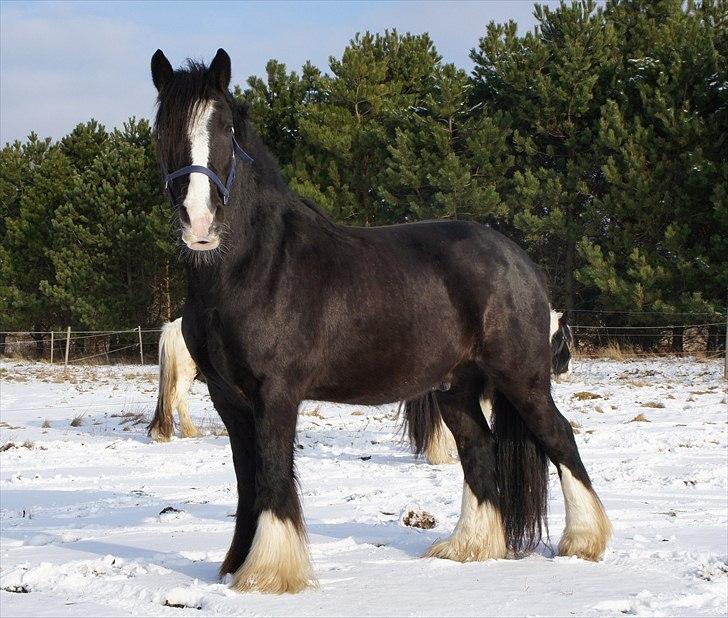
<point x="83" y="533"/>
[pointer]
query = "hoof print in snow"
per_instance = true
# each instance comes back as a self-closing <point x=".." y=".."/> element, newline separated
<point x="418" y="519"/>
<point x="181" y="598"/>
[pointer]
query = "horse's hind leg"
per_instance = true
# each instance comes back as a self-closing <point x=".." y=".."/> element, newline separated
<point x="587" y="525"/>
<point x="441" y="448"/>
<point x="184" y="384"/>
<point x="479" y="533"/>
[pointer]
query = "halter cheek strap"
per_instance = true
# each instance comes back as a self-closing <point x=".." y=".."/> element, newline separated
<point x="201" y="169"/>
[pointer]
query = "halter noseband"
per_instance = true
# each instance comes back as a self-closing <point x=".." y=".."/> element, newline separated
<point x="201" y="169"/>
<point x="563" y="343"/>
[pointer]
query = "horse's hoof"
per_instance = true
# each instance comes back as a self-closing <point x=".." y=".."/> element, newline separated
<point x="479" y="534"/>
<point x="192" y="432"/>
<point x="270" y="583"/>
<point x="278" y="560"/>
<point x="588" y="529"/>
<point x="156" y="436"/>
<point x="466" y="550"/>
<point x="587" y="543"/>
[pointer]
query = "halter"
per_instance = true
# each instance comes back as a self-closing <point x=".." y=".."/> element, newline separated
<point x="563" y="343"/>
<point x="201" y="169"/>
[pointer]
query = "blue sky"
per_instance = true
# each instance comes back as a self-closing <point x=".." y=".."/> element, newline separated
<point x="62" y="63"/>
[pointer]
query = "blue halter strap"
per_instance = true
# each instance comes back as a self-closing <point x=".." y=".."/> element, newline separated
<point x="224" y="188"/>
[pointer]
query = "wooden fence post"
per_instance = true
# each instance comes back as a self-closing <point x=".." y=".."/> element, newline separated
<point x="141" y="347"/>
<point x="68" y="343"/>
<point x="51" y="347"/>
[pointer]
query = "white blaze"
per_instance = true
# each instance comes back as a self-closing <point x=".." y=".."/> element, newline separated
<point x="197" y="201"/>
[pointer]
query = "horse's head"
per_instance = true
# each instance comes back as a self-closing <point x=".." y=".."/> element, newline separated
<point x="562" y="342"/>
<point x="195" y="130"/>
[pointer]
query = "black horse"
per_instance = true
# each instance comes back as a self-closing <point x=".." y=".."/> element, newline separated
<point x="283" y="305"/>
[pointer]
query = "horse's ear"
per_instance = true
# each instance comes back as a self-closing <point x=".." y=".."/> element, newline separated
<point x="219" y="72"/>
<point x="162" y="71"/>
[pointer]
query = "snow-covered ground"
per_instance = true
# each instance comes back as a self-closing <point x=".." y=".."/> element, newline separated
<point x="82" y="532"/>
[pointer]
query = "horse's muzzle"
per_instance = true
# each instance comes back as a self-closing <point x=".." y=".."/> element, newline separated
<point x="203" y="242"/>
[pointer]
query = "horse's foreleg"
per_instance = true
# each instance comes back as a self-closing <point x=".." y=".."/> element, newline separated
<point x="238" y="419"/>
<point x="278" y="560"/>
<point x="479" y="533"/>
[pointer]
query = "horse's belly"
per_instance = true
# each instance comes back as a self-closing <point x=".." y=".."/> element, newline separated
<point x="382" y="378"/>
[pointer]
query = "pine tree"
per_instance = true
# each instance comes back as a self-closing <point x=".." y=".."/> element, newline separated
<point x="84" y="143"/>
<point x="445" y="163"/>
<point x="275" y="104"/>
<point x="663" y="138"/>
<point x="36" y="177"/>
<point x="113" y="243"/>
<point x="341" y="157"/>
<point x="552" y="82"/>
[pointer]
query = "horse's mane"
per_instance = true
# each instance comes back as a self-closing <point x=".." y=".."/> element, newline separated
<point x="315" y="207"/>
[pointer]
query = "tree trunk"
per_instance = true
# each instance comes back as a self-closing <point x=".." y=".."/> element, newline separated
<point x="39" y="345"/>
<point x="569" y="271"/>
<point x="677" y="339"/>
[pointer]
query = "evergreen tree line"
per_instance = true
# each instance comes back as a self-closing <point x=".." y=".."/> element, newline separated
<point x="599" y="142"/>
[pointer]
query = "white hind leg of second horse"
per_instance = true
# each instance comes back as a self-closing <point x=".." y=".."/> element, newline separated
<point x="177" y="371"/>
<point x="186" y="371"/>
<point x="184" y="384"/>
<point x="441" y="449"/>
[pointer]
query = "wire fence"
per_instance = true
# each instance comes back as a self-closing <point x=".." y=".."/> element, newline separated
<point x="615" y="334"/>
<point x="625" y="333"/>
<point x="134" y="345"/>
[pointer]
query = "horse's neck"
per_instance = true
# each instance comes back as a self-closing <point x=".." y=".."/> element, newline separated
<point x="255" y="216"/>
<point x="250" y="243"/>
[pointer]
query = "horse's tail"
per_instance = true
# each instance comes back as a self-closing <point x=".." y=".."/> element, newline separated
<point x="427" y="432"/>
<point x="522" y="477"/>
<point x="162" y="426"/>
<point x="422" y="421"/>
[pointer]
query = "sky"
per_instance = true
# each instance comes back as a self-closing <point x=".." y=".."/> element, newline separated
<point x="62" y="63"/>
